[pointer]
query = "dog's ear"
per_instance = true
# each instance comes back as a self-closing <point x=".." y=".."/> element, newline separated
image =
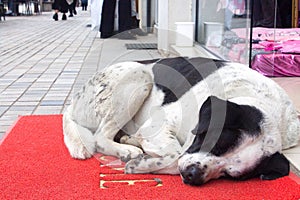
<point x="221" y="114"/>
<point x="218" y="114"/>
<point x="209" y="108"/>
<point x="216" y="132"/>
<point x="274" y="167"/>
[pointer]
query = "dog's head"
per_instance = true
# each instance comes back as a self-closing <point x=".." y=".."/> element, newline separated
<point x="224" y="130"/>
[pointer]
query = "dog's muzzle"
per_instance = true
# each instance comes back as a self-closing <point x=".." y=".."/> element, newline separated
<point x="199" y="168"/>
<point x="193" y="175"/>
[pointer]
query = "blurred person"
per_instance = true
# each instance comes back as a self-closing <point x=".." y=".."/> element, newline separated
<point x="61" y="6"/>
<point x="10" y="6"/>
<point x="84" y="4"/>
<point x="124" y="19"/>
<point x="72" y="8"/>
<point x="96" y="10"/>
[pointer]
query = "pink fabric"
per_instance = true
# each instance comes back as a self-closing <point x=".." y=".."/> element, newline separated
<point x="270" y="34"/>
<point x="291" y="47"/>
<point x="286" y="43"/>
<point x="278" y="34"/>
<point x="271" y="46"/>
<point x="277" y="64"/>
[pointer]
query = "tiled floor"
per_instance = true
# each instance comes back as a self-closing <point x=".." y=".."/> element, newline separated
<point x="42" y="62"/>
<point x="292" y="87"/>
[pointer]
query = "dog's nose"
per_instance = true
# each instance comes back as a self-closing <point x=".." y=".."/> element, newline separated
<point x="192" y="175"/>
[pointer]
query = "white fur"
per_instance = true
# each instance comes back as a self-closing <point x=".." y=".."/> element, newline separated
<point x="102" y="107"/>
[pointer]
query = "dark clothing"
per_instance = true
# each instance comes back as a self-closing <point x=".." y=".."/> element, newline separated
<point x="124" y="13"/>
<point x="108" y="17"/>
<point x="285" y="11"/>
<point x="60" y="5"/>
<point x="84" y="4"/>
<point x="72" y="7"/>
<point x="264" y="13"/>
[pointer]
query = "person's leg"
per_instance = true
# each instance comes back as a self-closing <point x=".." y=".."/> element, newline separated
<point x="55" y="16"/>
<point x="71" y="10"/>
<point x="55" y="7"/>
<point x="64" y="17"/>
<point x="125" y="20"/>
<point x="124" y="12"/>
<point x="74" y="7"/>
<point x="85" y="6"/>
<point x="107" y="18"/>
<point x="64" y="8"/>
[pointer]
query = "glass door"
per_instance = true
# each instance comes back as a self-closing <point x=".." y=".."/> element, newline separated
<point x="223" y="28"/>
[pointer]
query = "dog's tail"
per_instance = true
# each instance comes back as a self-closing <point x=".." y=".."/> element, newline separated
<point x="79" y="140"/>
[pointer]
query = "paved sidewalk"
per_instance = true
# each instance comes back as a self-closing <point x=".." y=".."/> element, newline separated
<point x="43" y="61"/>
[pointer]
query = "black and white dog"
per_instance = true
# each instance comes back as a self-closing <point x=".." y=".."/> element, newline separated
<point x="197" y="117"/>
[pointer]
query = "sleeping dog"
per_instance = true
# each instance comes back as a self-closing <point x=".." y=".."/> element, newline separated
<point x="197" y="117"/>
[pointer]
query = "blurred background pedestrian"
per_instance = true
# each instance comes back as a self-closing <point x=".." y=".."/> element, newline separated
<point x="72" y="8"/>
<point x="61" y="6"/>
<point x="84" y="4"/>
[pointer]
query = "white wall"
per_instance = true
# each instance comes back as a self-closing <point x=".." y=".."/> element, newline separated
<point x="169" y="12"/>
<point x="163" y="25"/>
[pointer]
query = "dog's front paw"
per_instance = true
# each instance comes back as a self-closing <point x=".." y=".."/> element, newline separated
<point x="132" y="165"/>
<point x="137" y="165"/>
<point x="130" y="152"/>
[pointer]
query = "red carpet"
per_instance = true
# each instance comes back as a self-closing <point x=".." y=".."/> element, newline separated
<point x="35" y="164"/>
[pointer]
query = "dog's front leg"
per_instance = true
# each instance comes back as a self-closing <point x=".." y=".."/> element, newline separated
<point x="158" y="140"/>
<point x="156" y="165"/>
<point x="161" y="156"/>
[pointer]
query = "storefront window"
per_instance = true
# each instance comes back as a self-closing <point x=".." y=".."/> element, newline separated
<point x="264" y="34"/>
<point x="276" y="37"/>
<point x="223" y="28"/>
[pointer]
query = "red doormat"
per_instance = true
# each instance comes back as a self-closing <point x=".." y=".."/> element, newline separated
<point x="35" y="164"/>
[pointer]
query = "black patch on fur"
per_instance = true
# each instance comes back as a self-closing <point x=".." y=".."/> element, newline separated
<point x="247" y="118"/>
<point x="221" y="131"/>
<point x="175" y="76"/>
<point x="214" y="142"/>
<point x="119" y="135"/>
<point x="269" y="168"/>
<point x="146" y="62"/>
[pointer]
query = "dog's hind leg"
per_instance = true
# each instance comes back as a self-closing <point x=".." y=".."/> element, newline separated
<point x="122" y="101"/>
<point x="102" y="107"/>
<point x="79" y="140"/>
